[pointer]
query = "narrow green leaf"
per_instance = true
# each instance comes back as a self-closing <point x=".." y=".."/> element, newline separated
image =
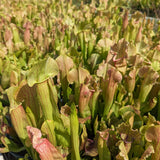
<point x="74" y="134"/>
<point x="31" y="116"/>
<point x="104" y="153"/>
<point x="48" y="129"/>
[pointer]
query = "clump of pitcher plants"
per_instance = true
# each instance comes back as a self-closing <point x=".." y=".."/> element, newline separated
<point x="78" y="81"/>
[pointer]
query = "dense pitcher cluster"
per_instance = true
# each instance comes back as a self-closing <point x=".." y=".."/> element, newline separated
<point x="78" y="81"/>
